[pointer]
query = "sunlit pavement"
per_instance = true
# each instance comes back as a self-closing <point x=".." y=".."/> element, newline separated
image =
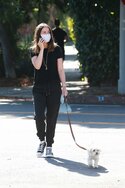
<point x="100" y="126"/>
<point x="71" y="64"/>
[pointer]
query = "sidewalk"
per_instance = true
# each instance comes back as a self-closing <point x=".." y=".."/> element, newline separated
<point x="79" y="91"/>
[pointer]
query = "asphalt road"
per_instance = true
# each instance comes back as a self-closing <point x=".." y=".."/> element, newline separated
<point x="98" y="114"/>
<point x="93" y="125"/>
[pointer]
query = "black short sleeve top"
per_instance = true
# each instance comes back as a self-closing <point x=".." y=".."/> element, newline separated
<point x="43" y="76"/>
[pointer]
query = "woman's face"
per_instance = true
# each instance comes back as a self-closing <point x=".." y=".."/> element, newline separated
<point x="45" y="34"/>
<point x="45" y="30"/>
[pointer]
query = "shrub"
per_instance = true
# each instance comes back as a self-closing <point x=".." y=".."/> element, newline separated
<point x="96" y="27"/>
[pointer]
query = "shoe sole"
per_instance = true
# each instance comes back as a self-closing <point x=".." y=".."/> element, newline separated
<point x="49" y="156"/>
<point x="39" y="155"/>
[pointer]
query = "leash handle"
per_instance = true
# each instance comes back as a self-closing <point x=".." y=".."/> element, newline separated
<point x="65" y="100"/>
<point x="66" y="103"/>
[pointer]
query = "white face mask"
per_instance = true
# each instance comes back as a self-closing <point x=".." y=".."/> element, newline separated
<point x="46" y="37"/>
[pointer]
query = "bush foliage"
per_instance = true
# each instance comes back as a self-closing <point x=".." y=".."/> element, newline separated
<point x="96" y="27"/>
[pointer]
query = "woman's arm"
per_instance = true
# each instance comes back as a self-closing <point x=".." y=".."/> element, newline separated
<point x="62" y="76"/>
<point x="37" y="60"/>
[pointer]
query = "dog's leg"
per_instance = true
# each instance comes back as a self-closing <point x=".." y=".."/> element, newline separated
<point x="96" y="161"/>
<point x="90" y="162"/>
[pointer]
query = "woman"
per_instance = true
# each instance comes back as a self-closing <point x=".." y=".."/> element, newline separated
<point x="49" y="84"/>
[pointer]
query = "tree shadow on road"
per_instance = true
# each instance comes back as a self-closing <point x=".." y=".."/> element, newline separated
<point x="77" y="167"/>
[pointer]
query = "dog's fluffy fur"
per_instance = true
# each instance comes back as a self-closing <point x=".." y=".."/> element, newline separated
<point x="93" y="157"/>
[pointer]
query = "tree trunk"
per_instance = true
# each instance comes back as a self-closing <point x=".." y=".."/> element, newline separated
<point x="7" y="55"/>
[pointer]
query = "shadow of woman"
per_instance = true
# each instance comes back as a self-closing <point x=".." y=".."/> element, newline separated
<point x="76" y="167"/>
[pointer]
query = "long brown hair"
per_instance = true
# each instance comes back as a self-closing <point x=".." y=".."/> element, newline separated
<point x="51" y="45"/>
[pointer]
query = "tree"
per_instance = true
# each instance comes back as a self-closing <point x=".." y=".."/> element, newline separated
<point x="7" y="14"/>
<point x="12" y="15"/>
<point x="7" y="53"/>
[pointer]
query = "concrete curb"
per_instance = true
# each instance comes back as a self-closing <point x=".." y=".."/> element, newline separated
<point x="97" y="99"/>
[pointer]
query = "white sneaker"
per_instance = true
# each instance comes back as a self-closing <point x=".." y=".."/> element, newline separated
<point x="40" y="150"/>
<point x="49" y="152"/>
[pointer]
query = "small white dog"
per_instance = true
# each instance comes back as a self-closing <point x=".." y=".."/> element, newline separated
<point x="93" y="157"/>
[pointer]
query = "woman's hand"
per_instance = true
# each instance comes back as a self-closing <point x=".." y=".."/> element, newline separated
<point x="41" y="44"/>
<point x="64" y="91"/>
